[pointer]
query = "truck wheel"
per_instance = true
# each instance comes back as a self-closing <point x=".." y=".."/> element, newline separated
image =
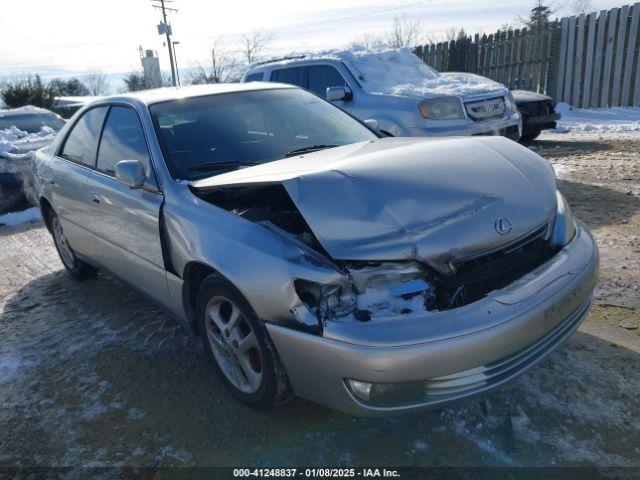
<point x="530" y="136"/>
<point x="238" y="343"/>
<point x="74" y="266"/>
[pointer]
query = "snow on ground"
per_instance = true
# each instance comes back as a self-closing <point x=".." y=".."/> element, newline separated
<point x="597" y="120"/>
<point x="17" y="218"/>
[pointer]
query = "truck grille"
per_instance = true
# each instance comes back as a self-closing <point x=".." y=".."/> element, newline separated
<point x="487" y="109"/>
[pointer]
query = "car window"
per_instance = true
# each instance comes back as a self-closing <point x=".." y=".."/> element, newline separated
<point x="122" y="139"/>
<point x="322" y="77"/>
<point x="204" y="136"/>
<point x="292" y="75"/>
<point x="81" y="145"/>
<point x="254" y="77"/>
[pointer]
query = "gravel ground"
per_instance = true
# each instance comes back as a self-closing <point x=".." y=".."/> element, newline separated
<point x="93" y="374"/>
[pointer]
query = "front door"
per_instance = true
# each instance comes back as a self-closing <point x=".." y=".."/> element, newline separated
<point x="124" y="220"/>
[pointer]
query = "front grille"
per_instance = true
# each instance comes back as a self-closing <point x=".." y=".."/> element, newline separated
<point x="476" y="276"/>
<point x="487" y="109"/>
<point x="536" y="109"/>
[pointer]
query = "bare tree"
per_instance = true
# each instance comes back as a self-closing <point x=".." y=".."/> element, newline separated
<point x="366" y="41"/>
<point x="96" y="82"/>
<point x="254" y="43"/>
<point x="224" y="67"/>
<point x="405" y="32"/>
<point x="451" y="34"/>
<point x="578" y="7"/>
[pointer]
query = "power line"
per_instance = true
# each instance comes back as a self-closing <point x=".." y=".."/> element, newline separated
<point x="360" y="15"/>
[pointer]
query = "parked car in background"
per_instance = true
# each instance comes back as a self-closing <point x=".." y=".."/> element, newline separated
<point x="398" y="90"/>
<point x="22" y="131"/>
<point x="30" y="119"/>
<point x="67" y="106"/>
<point x="313" y="254"/>
<point x="538" y="113"/>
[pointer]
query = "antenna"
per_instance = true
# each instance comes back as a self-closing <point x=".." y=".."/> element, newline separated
<point x="165" y="28"/>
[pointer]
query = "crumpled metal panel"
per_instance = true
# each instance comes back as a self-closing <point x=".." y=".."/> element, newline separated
<point x="398" y="198"/>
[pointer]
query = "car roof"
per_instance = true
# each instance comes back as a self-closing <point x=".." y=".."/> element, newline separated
<point x="157" y="95"/>
<point x="292" y="61"/>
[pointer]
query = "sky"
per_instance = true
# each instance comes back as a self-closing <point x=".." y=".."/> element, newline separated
<point x="71" y="37"/>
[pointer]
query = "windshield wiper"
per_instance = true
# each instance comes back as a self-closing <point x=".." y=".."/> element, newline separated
<point x="312" y="148"/>
<point x="218" y="165"/>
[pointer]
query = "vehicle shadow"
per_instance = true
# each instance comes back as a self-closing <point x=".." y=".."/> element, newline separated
<point x="598" y="206"/>
<point x="553" y="146"/>
<point x="96" y="374"/>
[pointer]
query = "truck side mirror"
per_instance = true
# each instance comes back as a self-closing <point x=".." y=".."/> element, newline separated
<point x="339" y="93"/>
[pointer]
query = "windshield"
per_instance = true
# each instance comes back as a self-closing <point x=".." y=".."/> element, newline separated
<point x="204" y="136"/>
<point x="401" y="68"/>
<point x="31" y="123"/>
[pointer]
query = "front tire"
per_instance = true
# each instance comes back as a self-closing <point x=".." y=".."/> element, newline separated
<point x="74" y="266"/>
<point x="238" y="343"/>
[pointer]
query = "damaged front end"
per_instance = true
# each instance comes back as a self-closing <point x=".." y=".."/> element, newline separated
<point x="380" y="290"/>
<point x="407" y="237"/>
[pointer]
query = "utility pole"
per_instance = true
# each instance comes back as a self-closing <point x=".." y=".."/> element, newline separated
<point x="165" y="28"/>
<point x="175" y="57"/>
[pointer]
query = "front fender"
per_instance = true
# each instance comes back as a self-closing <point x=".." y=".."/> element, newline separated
<point x="258" y="261"/>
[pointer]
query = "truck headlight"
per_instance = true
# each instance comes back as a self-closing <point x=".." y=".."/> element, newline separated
<point x="563" y="226"/>
<point x="444" y="108"/>
<point x="326" y="301"/>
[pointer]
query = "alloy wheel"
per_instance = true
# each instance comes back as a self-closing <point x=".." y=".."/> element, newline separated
<point x="234" y="344"/>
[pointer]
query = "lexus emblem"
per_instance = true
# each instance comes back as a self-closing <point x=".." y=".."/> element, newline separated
<point x="503" y="225"/>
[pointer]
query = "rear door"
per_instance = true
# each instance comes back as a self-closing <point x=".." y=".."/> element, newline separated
<point x="124" y="220"/>
<point x="291" y="75"/>
<point x="67" y="176"/>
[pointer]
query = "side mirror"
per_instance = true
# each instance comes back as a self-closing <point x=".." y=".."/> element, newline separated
<point x="339" y="93"/>
<point x="131" y="173"/>
<point x="372" y="123"/>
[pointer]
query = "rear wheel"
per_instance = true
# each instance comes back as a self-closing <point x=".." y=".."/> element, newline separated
<point x="239" y="345"/>
<point x="74" y="266"/>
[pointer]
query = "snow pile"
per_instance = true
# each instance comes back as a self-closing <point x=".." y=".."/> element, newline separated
<point x="597" y="120"/>
<point x="17" y="218"/>
<point x="399" y="72"/>
<point x="13" y="139"/>
<point x="16" y="151"/>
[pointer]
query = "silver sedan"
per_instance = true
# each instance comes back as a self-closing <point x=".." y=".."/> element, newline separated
<point x="315" y="256"/>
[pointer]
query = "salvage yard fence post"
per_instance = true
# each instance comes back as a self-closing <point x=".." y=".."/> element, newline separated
<point x="589" y="60"/>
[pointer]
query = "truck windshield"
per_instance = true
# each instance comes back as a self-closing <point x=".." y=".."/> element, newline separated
<point x="204" y="136"/>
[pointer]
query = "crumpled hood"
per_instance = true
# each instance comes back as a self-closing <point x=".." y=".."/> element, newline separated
<point x="435" y="200"/>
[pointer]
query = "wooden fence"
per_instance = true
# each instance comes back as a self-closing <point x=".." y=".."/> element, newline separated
<point x="587" y="60"/>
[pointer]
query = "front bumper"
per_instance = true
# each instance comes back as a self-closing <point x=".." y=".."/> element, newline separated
<point x="452" y="354"/>
<point x="510" y="126"/>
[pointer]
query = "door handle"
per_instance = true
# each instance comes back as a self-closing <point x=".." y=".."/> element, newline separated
<point x="95" y="199"/>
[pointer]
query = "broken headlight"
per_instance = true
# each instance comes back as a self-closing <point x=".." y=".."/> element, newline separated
<point x="326" y="301"/>
<point x="563" y="226"/>
<point x="444" y="108"/>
